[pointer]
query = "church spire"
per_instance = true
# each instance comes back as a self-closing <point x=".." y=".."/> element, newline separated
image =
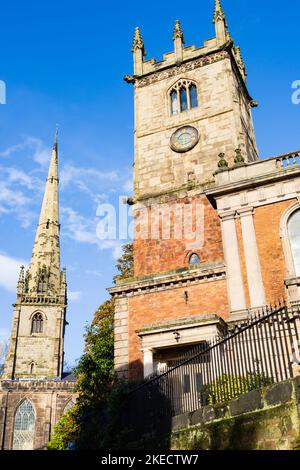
<point x="44" y="272"/>
<point x="219" y="20"/>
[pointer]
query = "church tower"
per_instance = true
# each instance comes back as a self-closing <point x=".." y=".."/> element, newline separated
<point x="36" y="349"/>
<point x="189" y="108"/>
<point x="193" y="119"/>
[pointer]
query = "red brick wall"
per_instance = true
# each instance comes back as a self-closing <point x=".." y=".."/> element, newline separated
<point x="154" y="256"/>
<point x="267" y="228"/>
<point x="204" y="298"/>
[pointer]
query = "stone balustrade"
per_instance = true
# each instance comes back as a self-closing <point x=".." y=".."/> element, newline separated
<point x="260" y="168"/>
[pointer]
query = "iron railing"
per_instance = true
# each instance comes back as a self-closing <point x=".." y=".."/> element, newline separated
<point x="260" y="352"/>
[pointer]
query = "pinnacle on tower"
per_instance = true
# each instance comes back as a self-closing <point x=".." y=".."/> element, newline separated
<point x="178" y="38"/>
<point x="219" y="20"/>
<point x="219" y="13"/>
<point x="138" y="42"/>
<point x="138" y="50"/>
<point x="240" y="61"/>
<point x="178" y="32"/>
<point x="21" y="281"/>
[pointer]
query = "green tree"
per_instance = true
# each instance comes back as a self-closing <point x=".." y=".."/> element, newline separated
<point x="125" y="263"/>
<point x="96" y="380"/>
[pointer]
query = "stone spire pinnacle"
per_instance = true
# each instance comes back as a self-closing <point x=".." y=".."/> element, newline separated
<point x="219" y="20"/>
<point x="178" y="32"/>
<point x="138" y="42"/>
<point x="43" y="275"/>
<point x="178" y="38"/>
<point x="139" y="52"/>
<point x="21" y="282"/>
<point x="219" y="14"/>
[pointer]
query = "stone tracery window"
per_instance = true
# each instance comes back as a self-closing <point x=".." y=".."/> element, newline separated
<point x="294" y="237"/>
<point x="37" y="323"/>
<point x="183" y="96"/>
<point x="68" y="406"/>
<point x="24" y="427"/>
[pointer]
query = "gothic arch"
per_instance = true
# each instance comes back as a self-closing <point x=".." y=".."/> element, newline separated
<point x="68" y="405"/>
<point x="37" y="324"/>
<point x="38" y="311"/>
<point x="182" y="79"/>
<point x="286" y="245"/>
<point x="24" y="425"/>
<point x="182" y="96"/>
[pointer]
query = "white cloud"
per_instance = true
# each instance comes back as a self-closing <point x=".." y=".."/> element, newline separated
<point x="74" y="296"/>
<point x="128" y="186"/>
<point x="41" y="153"/>
<point x="76" y="175"/>
<point x="83" y="230"/>
<point x="9" y="272"/>
<point x="92" y="272"/>
<point x="18" y="176"/>
<point x="16" y="202"/>
<point x="14" y="148"/>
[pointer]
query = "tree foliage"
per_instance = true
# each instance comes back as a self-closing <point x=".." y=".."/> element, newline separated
<point x="125" y="263"/>
<point x="65" y="431"/>
<point x="96" y="381"/>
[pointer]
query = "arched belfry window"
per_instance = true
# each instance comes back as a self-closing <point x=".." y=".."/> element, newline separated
<point x="194" y="260"/>
<point x="294" y="237"/>
<point x="37" y="323"/>
<point x="24" y="426"/>
<point x="183" y="96"/>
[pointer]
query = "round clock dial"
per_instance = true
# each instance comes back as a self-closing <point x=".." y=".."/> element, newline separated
<point x="184" y="139"/>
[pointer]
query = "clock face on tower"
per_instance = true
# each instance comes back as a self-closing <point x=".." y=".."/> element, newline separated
<point x="184" y="139"/>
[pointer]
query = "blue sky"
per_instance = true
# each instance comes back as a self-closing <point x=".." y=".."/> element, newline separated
<point x="63" y="62"/>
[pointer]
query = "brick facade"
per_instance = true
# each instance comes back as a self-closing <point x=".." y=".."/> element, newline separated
<point x="267" y="226"/>
<point x="170" y="305"/>
<point x="154" y="256"/>
<point x="245" y="260"/>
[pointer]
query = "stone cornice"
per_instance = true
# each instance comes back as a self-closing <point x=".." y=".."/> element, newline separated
<point x="169" y="281"/>
<point x="36" y="385"/>
<point x="251" y="182"/>
<point x="41" y="300"/>
<point x="171" y="70"/>
<point x="181" y="323"/>
<point x="163" y="70"/>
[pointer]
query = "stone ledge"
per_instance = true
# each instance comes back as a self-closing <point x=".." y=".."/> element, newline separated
<point x="183" y="323"/>
<point x="164" y="282"/>
<point x="279" y="393"/>
<point x="251" y="402"/>
<point x="35" y="385"/>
